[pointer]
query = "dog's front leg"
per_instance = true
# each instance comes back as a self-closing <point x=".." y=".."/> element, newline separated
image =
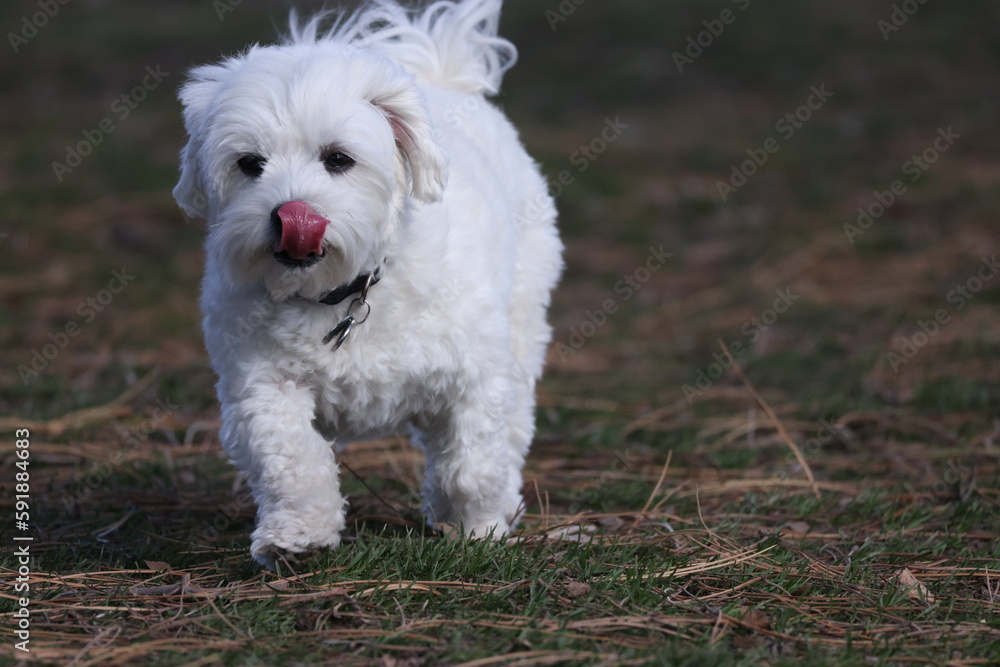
<point x="268" y="433"/>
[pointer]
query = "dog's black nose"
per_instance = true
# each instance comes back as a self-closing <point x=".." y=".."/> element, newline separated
<point x="276" y="221"/>
<point x="292" y="263"/>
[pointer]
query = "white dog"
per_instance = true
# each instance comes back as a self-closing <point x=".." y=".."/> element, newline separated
<point x="381" y="252"/>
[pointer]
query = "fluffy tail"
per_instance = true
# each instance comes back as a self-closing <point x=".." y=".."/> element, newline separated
<point x="449" y="43"/>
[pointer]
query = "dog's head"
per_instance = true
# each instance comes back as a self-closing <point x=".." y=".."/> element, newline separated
<point x="302" y="158"/>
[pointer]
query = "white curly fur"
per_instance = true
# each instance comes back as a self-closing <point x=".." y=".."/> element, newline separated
<point x="442" y="194"/>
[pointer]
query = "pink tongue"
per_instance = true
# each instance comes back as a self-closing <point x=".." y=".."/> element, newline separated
<point x="302" y="230"/>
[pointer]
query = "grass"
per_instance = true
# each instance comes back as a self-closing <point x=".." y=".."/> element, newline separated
<point x="658" y="530"/>
<point x="728" y="559"/>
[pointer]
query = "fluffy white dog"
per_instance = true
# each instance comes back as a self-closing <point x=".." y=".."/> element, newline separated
<point x="381" y="252"/>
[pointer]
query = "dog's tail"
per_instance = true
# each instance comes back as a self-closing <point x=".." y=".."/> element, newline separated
<point x="449" y="43"/>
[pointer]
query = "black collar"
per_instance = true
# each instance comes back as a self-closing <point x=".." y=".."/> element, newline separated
<point x="339" y="294"/>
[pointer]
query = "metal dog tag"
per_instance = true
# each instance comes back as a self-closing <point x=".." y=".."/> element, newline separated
<point x="343" y="330"/>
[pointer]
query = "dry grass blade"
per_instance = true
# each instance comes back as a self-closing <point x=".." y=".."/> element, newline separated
<point x="652" y="417"/>
<point x="528" y="658"/>
<point x="774" y="419"/>
<point x="213" y="659"/>
<point x="86" y="416"/>
<point x="734" y="559"/>
<point x="659" y="482"/>
<point x="914" y="589"/>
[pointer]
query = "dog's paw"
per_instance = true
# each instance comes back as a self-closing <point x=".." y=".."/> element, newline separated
<point x="487" y="529"/>
<point x="493" y="531"/>
<point x="283" y="537"/>
<point x="277" y="559"/>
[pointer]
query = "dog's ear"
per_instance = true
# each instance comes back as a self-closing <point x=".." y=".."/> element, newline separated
<point x="196" y="96"/>
<point x="406" y="112"/>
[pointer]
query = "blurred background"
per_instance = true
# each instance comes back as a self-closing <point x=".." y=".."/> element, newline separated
<point x="710" y="160"/>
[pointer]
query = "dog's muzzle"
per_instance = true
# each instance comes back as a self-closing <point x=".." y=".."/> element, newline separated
<point x="300" y="231"/>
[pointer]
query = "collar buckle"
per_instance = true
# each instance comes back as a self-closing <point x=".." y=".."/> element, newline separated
<point x="362" y="283"/>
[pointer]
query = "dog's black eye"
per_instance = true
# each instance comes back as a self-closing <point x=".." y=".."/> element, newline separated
<point x="336" y="162"/>
<point x="251" y="165"/>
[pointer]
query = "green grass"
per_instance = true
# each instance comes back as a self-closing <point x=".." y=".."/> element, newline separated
<point x="636" y="580"/>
